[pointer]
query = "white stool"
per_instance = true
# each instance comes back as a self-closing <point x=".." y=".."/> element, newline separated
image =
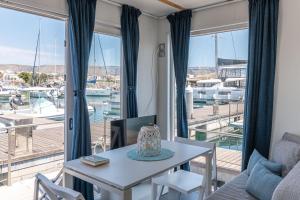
<point x="179" y="182"/>
<point x="184" y="182"/>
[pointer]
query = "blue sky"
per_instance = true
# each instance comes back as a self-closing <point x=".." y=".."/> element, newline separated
<point x="19" y="33"/>
<point x="232" y="45"/>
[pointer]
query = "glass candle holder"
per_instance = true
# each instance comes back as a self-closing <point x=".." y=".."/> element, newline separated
<point x="149" y="141"/>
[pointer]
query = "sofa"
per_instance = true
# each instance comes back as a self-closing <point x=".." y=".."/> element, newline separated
<point x="287" y="189"/>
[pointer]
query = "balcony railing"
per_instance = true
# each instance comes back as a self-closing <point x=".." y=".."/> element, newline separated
<point x="20" y="145"/>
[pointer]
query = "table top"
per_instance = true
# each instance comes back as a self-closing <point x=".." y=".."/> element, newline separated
<point x="123" y="173"/>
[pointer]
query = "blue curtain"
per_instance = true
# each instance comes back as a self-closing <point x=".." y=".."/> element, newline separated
<point x="263" y="17"/>
<point x="180" y="24"/>
<point x="81" y="27"/>
<point x="131" y="38"/>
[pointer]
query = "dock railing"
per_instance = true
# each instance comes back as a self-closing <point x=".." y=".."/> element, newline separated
<point x="228" y="156"/>
<point x="13" y="144"/>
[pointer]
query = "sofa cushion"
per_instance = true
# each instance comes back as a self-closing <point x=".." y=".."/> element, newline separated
<point x="262" y="182"/>
<point x="257" y="157"/>
<point x="289" y="187"/>
<point x="286" y="153"/>
<point x="233" y="190"/>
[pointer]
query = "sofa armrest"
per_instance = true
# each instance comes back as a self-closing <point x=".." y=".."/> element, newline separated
<point x="289" y="187"/>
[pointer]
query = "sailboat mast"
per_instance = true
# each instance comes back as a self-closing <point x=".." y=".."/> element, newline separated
<point x="35" y="57"/>
<point x="55" y="57"/>
<point x="216" y="54"/>
<point x="94" y="55"/>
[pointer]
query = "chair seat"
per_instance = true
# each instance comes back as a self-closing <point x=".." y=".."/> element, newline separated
<point x="181" y="181"/>
<point x="191" y="196"/>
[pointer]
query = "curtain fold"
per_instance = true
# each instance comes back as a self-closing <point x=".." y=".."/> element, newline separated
<point x="130" y="38"/>
<point x="81" y="27"/>
<point x="180" y="25"/>
<point x="263" y="19"/>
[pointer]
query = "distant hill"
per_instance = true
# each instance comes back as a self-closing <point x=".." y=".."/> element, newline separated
<point x="98" y="70"/>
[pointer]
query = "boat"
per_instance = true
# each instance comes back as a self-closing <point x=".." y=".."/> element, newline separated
<point x="115" y="103"/>
<point x="238" y="85"/>
<point x="98" y="92"/>
<point x="205" y="90"/>
<point x="6" y="93"/>
<point x="211" y="90"/>
<point x="55" y="93"/>
<point x="43" y="108"/>
<point x="36" y="92"/>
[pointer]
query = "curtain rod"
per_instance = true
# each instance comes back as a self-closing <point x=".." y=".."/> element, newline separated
<point x="111" y="2"/>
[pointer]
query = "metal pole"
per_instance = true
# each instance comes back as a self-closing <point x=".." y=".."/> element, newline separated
<point x="104" y="139"/>
<point x="229" y="112"/>
<point x="9" y="158"/>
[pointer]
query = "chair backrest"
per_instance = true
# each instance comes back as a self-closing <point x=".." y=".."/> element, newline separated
<point x="209" y="145"/>
<point x="53" y="191"/>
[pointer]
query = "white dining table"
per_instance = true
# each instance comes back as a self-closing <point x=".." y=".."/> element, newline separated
<point x="121" y="174"/>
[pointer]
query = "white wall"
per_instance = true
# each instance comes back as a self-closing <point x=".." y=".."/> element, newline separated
<point x="108" y="21"/>
<point x="147" y="66"/>
<point x="230" y="16"/>
<point x="286" y="115"/>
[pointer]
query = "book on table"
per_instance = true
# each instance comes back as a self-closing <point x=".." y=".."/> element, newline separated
<point x="94" y="160"/>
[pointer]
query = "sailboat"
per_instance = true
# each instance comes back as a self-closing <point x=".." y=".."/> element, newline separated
<point x="95" y="91"/>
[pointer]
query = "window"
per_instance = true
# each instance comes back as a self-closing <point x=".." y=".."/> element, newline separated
<point x="103" y="87"/>
<point x="215" y="92"/>
<point x="32" y="65"/>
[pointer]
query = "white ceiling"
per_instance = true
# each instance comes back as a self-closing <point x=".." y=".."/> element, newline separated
<point x="157" y="8"/>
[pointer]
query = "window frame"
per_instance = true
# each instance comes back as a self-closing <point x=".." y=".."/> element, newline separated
<point x="194" y="33"/>
<point x="104" y="30"/>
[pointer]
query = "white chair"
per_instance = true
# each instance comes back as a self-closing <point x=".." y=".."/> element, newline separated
<point x="53" y="191"/>
<point x="184" y="182"/>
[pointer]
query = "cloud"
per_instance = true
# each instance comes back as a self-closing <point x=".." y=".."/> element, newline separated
<point x="12" y="55"/>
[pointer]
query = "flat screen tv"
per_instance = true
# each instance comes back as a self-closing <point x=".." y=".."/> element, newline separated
<point x="125" y="131"/>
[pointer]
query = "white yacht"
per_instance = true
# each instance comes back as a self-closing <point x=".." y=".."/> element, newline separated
<point x="232" y="89"/>
<point x="98" y="92"/>
<point x="205" y="90"/>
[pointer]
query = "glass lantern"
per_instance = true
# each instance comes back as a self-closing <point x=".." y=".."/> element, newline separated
<point x="149" y="141"/>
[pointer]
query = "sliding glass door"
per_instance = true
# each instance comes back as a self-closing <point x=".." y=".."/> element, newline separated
<point x="32" y="92"/>
<point x="215" y="92"/>
<point x="103" y="90"/>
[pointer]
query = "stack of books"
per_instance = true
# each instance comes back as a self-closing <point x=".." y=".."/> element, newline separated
<point x="94" y="160"/>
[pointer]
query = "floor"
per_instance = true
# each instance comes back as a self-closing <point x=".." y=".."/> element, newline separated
<point x="23" y="190"/>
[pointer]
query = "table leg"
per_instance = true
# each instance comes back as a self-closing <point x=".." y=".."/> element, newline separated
<point x="127" y="194"/>
<point x="154" y="191"/>
<point x="208" y="174"/>
<point x="173" y="194"/>
<point x="67" y="180"/>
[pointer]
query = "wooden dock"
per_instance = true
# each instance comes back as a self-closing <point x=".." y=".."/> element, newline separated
<point x="206" y="113"/>
<point x="46" y="140"/>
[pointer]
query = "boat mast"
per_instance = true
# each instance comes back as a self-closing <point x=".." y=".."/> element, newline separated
<point x="39" y="49"/>
<point x="35" y="57"/>
<point x="101" y="49"/>
<point x="94" y="55"/>
<point x="216" y="54"/>
<point x="55" y="59"/>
